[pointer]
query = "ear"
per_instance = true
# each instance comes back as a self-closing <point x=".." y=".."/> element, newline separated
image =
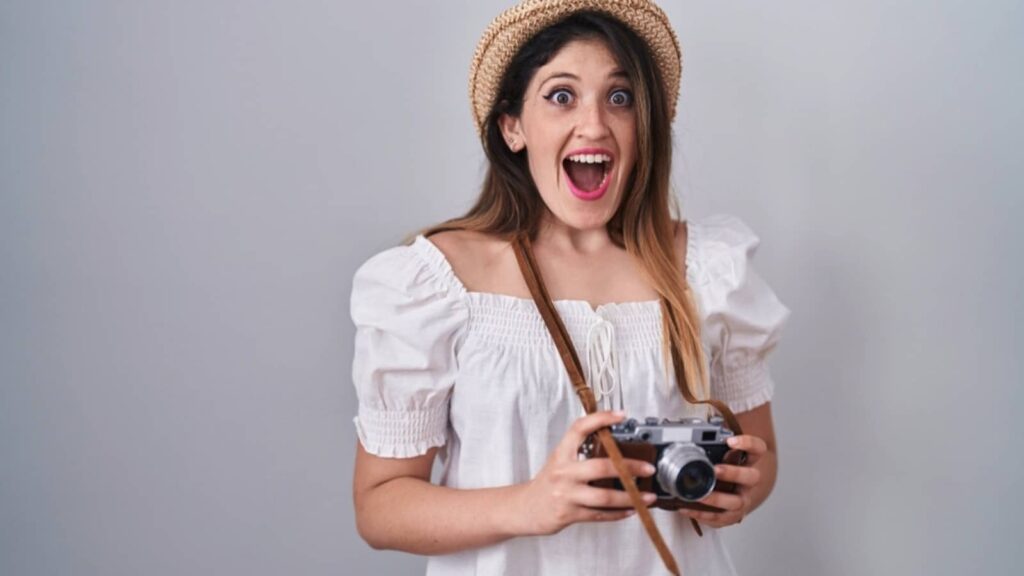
<point x="512" y="132"/>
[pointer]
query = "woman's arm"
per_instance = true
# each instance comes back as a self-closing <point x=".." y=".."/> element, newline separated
<point x="755" y="480"/>
<point x="398" y="508"/>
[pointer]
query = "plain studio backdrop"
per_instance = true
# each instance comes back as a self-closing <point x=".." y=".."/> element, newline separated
<point x="188" y="187"/>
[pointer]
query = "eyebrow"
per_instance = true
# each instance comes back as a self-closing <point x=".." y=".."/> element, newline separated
<point x="617" y="73"/>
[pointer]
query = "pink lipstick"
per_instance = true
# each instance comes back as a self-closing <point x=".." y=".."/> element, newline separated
<point x="597" y="193"/>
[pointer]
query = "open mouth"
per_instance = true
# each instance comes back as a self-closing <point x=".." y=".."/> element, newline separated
<point x="587" y="173"/>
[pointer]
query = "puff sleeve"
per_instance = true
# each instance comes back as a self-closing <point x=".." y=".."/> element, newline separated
<point x="408" y="320"/>
<point x="743" y="318"/>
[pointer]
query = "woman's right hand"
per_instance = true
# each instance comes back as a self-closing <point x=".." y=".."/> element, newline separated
<point x="559" y="494"/>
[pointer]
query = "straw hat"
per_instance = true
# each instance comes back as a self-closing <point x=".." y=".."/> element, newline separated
<point x="515" y="26"/>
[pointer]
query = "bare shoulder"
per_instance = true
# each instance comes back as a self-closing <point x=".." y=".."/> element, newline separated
<point x="480" y="261"/>
<point x="461" y="246"/>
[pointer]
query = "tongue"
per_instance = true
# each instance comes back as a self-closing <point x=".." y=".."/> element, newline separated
<point x="586" y="177"/>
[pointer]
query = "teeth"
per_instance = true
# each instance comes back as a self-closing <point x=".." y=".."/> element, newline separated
<point x="590" y="158"/>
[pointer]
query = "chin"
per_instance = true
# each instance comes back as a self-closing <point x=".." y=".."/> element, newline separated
<point x="580" y="215"/>
<point x="586" y="219"/>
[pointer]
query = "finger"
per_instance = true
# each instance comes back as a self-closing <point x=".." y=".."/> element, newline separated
<point x="724" y="500"/>
<point x="744" y="475"/>
<point x="598" y="468"/>
<point x="584" y="427"/>
<point x="751" y="444"/>
<point x="591" y="497"/>
<point x="590" y="515"/>
<point x="740" y="458"/>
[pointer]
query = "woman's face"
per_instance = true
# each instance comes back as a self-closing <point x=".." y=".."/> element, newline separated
<point x="578" y="125"/>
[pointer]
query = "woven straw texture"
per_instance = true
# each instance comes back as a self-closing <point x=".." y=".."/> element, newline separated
<point x="514" y="27"/>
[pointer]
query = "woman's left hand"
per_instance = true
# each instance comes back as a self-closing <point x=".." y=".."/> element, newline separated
<point x="737" y="504"/>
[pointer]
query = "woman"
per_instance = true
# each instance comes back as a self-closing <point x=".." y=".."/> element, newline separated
<point x="573" y="101"/>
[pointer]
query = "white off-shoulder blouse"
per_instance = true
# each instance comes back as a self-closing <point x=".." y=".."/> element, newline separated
<point x="477" y="374"/>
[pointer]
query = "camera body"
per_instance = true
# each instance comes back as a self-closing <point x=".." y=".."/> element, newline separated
<point x="684" y="453"/>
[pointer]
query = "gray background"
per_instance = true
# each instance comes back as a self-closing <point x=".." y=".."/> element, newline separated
<point x="187" y="188"/>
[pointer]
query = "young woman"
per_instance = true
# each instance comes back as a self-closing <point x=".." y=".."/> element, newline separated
<point x="573" y="101"/>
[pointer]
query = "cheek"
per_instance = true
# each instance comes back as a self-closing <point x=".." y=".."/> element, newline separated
<point x="544" y="165"/>
<point x="630" y="164"/>
<point x="543" y="171"/>
<point x="626" y="136"/>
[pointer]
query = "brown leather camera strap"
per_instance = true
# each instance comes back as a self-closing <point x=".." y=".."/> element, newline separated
<point x="524" y="255"/>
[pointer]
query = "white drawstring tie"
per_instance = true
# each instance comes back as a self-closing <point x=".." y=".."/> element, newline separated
<point x="602" y="367"/>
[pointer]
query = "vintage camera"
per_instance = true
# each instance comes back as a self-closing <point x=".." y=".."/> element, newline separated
<point x="683" y="451"/>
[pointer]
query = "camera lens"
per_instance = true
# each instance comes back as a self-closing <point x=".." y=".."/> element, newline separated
<point x="695" y="481"/>
<point x="685" y="472"/>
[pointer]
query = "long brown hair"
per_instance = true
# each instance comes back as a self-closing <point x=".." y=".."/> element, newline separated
<point x="509" y="202"/>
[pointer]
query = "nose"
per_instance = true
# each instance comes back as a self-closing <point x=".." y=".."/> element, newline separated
<point x="593" y="122"/>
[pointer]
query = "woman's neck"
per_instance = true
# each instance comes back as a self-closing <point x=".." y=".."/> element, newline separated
<point x="557" y="236"/>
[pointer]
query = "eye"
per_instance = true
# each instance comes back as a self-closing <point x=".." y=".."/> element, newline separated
<point x="621" y="97"/>
<point x="561" y="96"/>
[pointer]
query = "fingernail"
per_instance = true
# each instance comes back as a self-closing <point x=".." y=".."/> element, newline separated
<point x="649" y="469"/>
<point x="630" y="513"/>
<point x="618" y="413"/>
<point x="650" y="497"/>
<point x="732" y="441"/>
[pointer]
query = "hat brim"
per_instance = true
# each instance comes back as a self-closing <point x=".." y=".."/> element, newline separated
<point x="513" y="28"/>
